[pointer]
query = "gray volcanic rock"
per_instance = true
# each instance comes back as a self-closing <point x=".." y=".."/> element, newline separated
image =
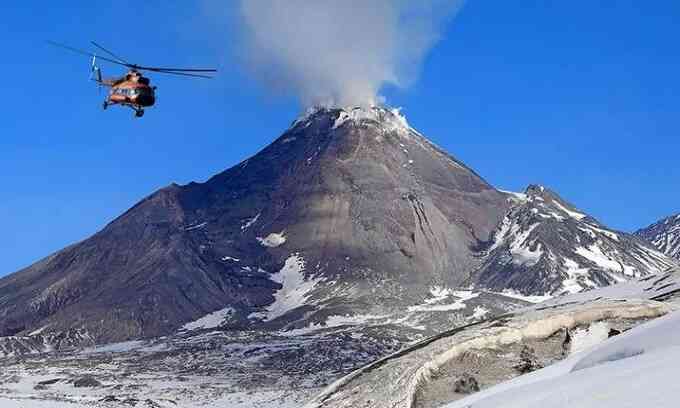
<point x="547" y="246"/>
<point x="87" y="381"/>
<point x="466" y="384"/>
<point x="349" y="211"/>
<point x="665" y="235"/>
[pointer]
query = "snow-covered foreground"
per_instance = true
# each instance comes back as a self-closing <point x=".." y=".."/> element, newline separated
<point x="334" y="364"/>
<point x="206" y="365"/>
<point x="506" y="347"/>
<point x="236" y="400"/>
<point x="636" y="369"/>
<point x="6" y="403"/>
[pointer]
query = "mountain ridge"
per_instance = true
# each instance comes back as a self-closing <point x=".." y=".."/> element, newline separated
<point x="546" y="246"/>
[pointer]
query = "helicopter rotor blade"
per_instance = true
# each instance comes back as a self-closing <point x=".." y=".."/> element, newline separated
<point x="177" y="73"/>
<point x="119" y="59"/>
<point x="78" y="51"/>
<point x="177" y="69"/>
<point x="189" y="72"/>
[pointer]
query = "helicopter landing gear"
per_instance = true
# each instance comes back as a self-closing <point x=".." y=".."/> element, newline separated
<point x="139" y="113"/>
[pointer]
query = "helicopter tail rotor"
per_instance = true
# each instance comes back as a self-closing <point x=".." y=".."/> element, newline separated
<point x="96" y="73"/>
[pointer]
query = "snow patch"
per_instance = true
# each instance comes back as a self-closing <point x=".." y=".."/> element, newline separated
<point x="335" y="321"/>
<point x="517" y="198"/>
<point x="594" y="254"/>
<point x="294" y="292"/>
<point x="195" y="227"/>
<point x="38" y="331"/>
<point x="576" y="277"/>
<point x="250" y="222"/>
<point x="439" y="295"/>
<point x="273" y="240"/>
<point x="211" y="320"/>
<point x="587" y="338"/>
<point x="527" y="298"/>
<point x="573" y="214"/>
<point x="521" y="251"/>
<point x="122" y="347"/>
<point x="479" y="313"/>
<point x="390" y="119"/>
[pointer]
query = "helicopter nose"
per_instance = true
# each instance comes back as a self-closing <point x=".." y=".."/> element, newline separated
<point x="146" y="100"/>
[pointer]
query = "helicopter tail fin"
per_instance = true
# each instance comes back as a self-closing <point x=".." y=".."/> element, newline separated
<point x="96" y="72"/>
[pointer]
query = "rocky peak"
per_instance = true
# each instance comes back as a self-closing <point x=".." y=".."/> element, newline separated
<point x="546" y="246"/>
<point x="546" y="203"/>
<point x="664" y="235"/>
<point x="384" y="117"/>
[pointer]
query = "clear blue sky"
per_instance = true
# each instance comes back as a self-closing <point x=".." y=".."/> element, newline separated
<point x="581" y="96"/>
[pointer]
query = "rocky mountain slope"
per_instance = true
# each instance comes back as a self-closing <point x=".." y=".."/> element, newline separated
<point x="350" y="217"/>
<point x="665" y="235"/>
<point x="332" y="218"/>
<point x="545" y="245"/>
<point x="348" y="238"/>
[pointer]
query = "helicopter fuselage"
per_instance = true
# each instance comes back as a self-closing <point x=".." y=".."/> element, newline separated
<point x="131" y="89"/>
<point x="133" y="94"/>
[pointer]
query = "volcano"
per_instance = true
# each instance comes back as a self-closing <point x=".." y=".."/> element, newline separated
<point x="350" y="212"/>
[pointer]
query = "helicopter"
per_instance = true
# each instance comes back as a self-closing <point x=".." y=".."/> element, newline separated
<point x="133" y="89"/>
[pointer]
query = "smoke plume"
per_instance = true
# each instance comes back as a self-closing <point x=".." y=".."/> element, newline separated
<point x="340" y="53"/>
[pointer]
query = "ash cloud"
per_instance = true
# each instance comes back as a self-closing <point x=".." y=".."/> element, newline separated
<point x="339" y="53"/>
